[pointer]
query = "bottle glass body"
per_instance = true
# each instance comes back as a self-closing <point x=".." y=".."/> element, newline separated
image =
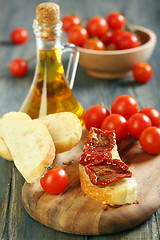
<point x="50" y="91"/>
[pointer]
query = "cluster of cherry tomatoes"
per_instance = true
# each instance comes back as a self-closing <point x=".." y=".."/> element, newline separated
<point x="96" y="26"/>
<point x="110" y="33"/>
<point x="18" y="67"/>
<point x="126" y="118"/>
<point x="100" y="33"/>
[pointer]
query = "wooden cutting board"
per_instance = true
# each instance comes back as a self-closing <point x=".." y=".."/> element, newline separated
<point x="74" y="212"/>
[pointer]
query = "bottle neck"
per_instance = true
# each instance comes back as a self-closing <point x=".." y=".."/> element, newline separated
<point x="48" y="45"/>
<point x="48" y="37"/>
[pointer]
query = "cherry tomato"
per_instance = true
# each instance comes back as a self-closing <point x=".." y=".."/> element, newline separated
<point x="94" y="43"/>
<point x="70" y="21"/>
<point x="125" y="105"/>
<point x="77" y="35"/>
<point x="19" y="35"/>
<point x="150" y="140"/>
<point x="116" y="20"/>
<point x="128" y="40"/>
<point x="153" y="114"/>
<point x="116" y="36"/>
<point x="18" y="67"/>
<point x="107" y="38"/>
<point x="142" y="72"/>
<point x="96" y="27"/>
<point x="137" y="123"/>
<point x="54" y="180"/>
<point x="111" y="46"/>
<point x="118" y="123"/>
<point x="94" y="116"/>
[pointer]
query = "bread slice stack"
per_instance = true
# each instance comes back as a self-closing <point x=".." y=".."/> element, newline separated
<point x="65" y="129"/>
<point x="32" y="144"/>
<point x="103" y="175"/>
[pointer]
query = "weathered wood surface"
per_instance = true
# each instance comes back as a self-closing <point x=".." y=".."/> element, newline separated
<point x="15" y="223"/>
<point x="74" y="212"/>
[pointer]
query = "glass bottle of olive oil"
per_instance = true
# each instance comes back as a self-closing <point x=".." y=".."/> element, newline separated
<point x="50" y="91"/>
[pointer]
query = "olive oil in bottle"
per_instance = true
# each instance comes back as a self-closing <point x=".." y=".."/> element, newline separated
<point x="50" y="91"/>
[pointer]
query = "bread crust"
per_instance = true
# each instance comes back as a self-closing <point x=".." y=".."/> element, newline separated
<point x="37" y="172"/>
<point x="4" y="151"/>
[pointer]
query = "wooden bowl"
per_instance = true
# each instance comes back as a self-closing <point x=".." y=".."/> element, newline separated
<point x="109" y="64"/>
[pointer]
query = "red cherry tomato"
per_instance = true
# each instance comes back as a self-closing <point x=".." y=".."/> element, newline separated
<point x="107" y="38"/>
<point x="70" y="21"/>
<point x="137" y="123"/>
<point x="18" y="67"/>
<point x="150" y="140"/>
<point x="116" y="36"/>
<point x="54" y="180"/>
<point x="94" y="43"/>
<point x="118" y="123"/>
<point x="153" y="114"/>
<point x="96" y="27"/>
<point x="116" y="20"/>
<point x="142" y="72"/>
<point x="77" y="35"/>
<point x="111" y="46"/>
<point x="19" y="35"/>
<point x="94" y="116"/>
<point x="128" y="40"/>
<point x="125" y="105"/>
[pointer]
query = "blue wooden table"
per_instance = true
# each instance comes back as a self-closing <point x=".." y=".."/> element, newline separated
<point x="15" y="223"/>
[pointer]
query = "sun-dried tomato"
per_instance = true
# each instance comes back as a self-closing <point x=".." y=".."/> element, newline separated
<point x="100" y="139"/>
<point x="107" y="171"/>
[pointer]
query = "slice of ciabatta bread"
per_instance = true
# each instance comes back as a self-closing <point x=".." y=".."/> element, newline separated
<point x="65" y="129"/>
<point x="119" y="192"/>
<point x="30" y="144"/>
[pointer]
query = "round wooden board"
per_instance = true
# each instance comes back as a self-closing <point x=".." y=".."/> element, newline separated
<point x="74" y="212"/>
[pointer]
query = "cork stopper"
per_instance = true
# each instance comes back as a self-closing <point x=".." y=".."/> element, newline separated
<point x="48" y="13"/>
<point x="47" y="24"/>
